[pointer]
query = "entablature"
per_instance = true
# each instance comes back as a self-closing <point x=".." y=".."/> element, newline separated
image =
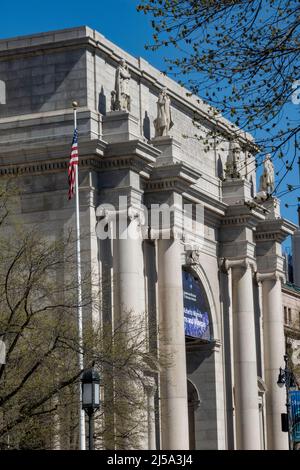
<point x="274" y="230"/>
<point x="177" y="177"/>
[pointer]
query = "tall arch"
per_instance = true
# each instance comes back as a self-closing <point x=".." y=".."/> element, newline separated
<point x="205" y="375"/>
<point x="198" y="271"/>
<point x="193" y="404"/>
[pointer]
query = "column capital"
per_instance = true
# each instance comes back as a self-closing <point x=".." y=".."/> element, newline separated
<point x="132" y="213"/>
<point x="225" y="264"/>
<point x="131" y="217"/>
<point x="271" y="276"/>
<point x="172" y="233"/>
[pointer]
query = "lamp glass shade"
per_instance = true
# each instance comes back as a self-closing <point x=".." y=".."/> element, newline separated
<point x="87" y="397"/>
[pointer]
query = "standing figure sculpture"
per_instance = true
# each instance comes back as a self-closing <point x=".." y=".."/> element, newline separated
<point x="163" y="122"/>
<point x="233" y="161"/>
<point x="267" y="178"/>
<point x="120" y="97"/>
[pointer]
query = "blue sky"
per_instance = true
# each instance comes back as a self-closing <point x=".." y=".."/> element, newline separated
<point x="118" y="20"/>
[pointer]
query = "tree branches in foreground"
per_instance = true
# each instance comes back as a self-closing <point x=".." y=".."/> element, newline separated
<point x="243" y="57"/>
<point x="39" y="382"/>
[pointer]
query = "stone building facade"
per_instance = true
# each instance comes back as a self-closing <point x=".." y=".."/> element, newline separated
<point x="291" y="317"/>
<point x="217" y="392"/>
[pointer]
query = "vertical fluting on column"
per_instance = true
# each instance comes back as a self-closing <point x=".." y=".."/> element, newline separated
<point x="274" y="350"/>
<point x="245" y="366"/>
<point x="173" y="379"/>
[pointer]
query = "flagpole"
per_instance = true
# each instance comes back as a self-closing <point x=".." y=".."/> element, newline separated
<point x="79" y="296"/>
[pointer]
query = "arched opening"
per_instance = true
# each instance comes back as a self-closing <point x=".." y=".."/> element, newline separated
<point x="203" y="362"/>
<point x="197" y="315"/>
<point x="193" y="403"/>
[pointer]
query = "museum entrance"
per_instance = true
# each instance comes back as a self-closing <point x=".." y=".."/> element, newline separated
<point x="201" y="352"/>
<point x="197" y="321"/>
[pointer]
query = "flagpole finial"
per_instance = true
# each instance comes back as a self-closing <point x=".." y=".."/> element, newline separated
<point x="75" y="104"/>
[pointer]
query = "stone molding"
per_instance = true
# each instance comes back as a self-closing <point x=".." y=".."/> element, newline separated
<point x="93" y="154"/>
<point x="274" y="230"/>
<point x="43" y="167"/>
<point x="173" y="177"/>
<point x="243" y="214"/>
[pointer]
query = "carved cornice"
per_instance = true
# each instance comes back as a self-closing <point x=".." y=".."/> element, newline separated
<point x="243" y="214"/>
<point x="274" y="230"/>
<point x="51" y="157"/>
<point x="94" y="154"/>
<point x="43" y="167"/>
<point x="237" y="220"/>
<point x="286" y="288"/>
<point x="133" y="148"/>
<point x="29" y="48"/>
<point x="178" y="176"/>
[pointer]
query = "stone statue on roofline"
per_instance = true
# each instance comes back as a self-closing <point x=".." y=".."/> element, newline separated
<point x="267" y="179"/>
<point x="231" y="167"/>
<point x="163" y="121"/>
<point x="120" y="96"/>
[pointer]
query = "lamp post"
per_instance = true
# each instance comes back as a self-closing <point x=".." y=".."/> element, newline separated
<point x="286" y="377"/>
<point x="90" y="382"/>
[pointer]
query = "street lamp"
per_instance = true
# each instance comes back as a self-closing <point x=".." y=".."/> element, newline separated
<point x="286" y="377"/>
<point x="90" y="382"/>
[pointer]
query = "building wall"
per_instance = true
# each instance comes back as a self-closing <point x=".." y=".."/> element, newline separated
<point x="291" y="308"/>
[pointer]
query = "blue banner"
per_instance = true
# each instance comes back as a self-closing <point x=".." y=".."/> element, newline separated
<point x="196" y="308"/>
<point x="295" y="414"/>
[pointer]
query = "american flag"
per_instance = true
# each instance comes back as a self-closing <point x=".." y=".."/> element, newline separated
<point x="73" y="161"/>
